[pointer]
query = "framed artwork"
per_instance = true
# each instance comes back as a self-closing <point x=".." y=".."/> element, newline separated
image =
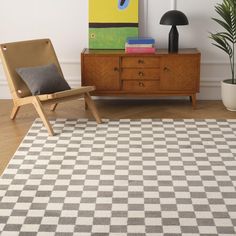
<point x="111" y="22"/>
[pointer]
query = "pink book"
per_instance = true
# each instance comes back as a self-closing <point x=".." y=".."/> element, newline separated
<point x="139" y="50"/>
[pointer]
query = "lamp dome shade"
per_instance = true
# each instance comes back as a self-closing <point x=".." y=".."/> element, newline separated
<point x="174" y="17"/>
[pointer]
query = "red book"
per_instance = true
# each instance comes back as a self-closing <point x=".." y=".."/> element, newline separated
<point x="139" y="50"/>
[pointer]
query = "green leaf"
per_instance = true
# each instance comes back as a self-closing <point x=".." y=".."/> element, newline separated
<point x="222" y="43"/>
<point x="226" y="39"/>
<point x="225" y="25"/>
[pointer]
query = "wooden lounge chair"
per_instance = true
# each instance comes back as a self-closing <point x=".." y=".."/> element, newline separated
<point x="35" y="53"/>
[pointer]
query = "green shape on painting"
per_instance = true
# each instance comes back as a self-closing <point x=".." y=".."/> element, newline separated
<point x="110" y="38"/>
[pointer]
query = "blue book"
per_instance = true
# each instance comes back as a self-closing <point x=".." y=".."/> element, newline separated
<point x="141" y="40"/>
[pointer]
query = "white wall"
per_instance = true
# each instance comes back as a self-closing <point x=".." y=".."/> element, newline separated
<point x="66" y="23"/>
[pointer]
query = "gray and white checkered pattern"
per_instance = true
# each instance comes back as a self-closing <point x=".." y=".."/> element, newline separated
<point x="144" y="177"/>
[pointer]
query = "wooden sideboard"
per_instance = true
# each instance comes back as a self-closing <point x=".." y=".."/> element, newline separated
<point x="116" y="73"/>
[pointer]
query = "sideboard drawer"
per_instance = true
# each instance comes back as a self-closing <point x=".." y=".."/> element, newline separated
<point x="140" y="62"/>
<point x="142" y="86"/>
<point x="140" y="74"/>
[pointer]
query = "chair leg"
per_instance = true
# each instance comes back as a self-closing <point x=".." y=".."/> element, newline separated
<point x="92" y="107"/>
<point x="14" y="112"/>
<point x="53" y="107"/>
<point x="85" y="105"/>
<point x="39" y="108"/>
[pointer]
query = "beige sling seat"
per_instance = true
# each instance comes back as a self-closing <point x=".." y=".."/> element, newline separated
<point x="35" y="53"/>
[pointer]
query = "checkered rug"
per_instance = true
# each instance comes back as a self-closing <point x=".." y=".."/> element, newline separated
<point x="145" y="177"/>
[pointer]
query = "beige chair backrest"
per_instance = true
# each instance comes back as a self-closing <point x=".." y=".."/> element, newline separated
<point x="25" y="54"/>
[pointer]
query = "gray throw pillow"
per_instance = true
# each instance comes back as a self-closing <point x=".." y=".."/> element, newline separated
<point x="44" y="79"/>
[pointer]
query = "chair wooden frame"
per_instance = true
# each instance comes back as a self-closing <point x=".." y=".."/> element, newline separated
<point x="35" y="53"/>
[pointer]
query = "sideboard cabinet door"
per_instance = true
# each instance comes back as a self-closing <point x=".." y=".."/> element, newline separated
<point x="102" y="72"/>
<point x="180" y="73"/>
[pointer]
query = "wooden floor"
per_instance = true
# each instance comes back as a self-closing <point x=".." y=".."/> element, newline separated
<point x="12" y="132"/>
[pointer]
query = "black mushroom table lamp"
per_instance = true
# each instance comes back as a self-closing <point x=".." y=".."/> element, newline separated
<point x="174" y="18"/>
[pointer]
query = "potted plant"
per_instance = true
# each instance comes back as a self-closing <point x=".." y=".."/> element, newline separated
<point x="225" y="40"/>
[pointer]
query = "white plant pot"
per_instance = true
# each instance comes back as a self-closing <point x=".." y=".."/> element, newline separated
<point x="228" y="94"/>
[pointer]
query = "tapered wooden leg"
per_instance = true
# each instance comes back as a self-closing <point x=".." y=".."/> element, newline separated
<point x="53" y="107"/>
<point x="39" y="108"/>
<point x="194" y="101"/>
<point x="85" y="105"/>
<point x="92" y="107"/>
<point x="14" y="112"/>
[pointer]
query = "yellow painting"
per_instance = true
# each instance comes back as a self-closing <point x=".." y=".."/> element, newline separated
<point x="104" y="11"/>
<point x="111" y="22"/>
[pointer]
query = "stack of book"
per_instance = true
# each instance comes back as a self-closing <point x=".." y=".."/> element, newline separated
<point x="140" y="45"/>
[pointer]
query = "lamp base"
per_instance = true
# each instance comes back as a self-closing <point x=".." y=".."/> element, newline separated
<point x="173" y="40"/>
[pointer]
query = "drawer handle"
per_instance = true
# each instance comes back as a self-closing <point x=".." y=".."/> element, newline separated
<point x="166" y="69"/>
<point x="116" y="69"/>
<point x="141" y="73"/>
<point x="140" y="61"/>
<point x="141" y="84"/>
